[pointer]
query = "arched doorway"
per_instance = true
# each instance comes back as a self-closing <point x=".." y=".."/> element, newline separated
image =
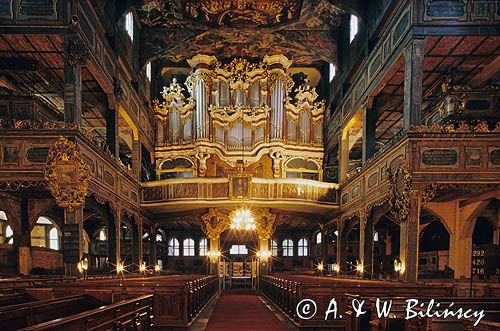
<point x="434" y="248"/>
<point x="386" y="241"/>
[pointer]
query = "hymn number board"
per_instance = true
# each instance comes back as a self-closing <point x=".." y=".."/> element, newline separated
<point x="485" y="260"/>
<point x="71" y="243"/>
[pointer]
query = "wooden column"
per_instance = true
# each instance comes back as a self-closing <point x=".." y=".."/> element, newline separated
<point x="414" y="64"/>
<point x="136" y="158"/>
<point x="112" y="137"/>
<point x="341" y="248"/>
<point x="153" y="247"/>
<point x="409" y="239"/>
<point x="72" y="240"/>
<point x="25" y="262"/>
<point x="368" y="247"/>
<point x="343" y="155"/>
<point x="75" y="57"/>
<point x="214" y="262"/>
<point x="362" y="238"/>
<point x="369" y="126"/>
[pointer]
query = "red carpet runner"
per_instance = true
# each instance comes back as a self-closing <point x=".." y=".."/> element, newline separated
<point x="242" y="310"/>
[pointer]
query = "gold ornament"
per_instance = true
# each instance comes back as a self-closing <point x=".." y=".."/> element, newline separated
<point x="67" y="175"/>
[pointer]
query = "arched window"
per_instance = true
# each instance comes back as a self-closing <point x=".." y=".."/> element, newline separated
<point x="102" y="235"/>
<point x="318" y="238"/>
<point x="331" y="72"/>
<point x="129" y="25"/>
<point x="203" y="247"/>
<point x="303" y="247"/>
<point x="6" y="232"/>
<point x="274" y="248"/>
<point x="9" y="233"/>
<point x="54" y="238"/>
<point x="188" y="244"/>
<point x="173" y="247"/>
<point x="45" y="234"/>
<point x="287" y="247"/>
<point x="353" y="27"/>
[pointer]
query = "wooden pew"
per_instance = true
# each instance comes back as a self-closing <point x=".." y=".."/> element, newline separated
<point x="286" y="291"/>
<point x="177" y="299"/>
<point x="133" y="314"/>
<point x="14" y="299"/>
<point x="18" y="316"/>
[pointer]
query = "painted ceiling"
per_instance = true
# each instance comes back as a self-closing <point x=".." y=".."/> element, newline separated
<point x="300" y="29"/>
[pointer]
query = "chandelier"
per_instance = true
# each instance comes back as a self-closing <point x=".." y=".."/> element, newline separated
<point x="242" y="219"/>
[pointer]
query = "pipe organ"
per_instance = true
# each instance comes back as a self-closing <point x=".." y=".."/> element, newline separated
<point x="239" y="113"/>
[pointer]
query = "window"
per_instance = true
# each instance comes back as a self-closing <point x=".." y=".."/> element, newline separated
<point x="353" y="28"/>
<point x="188" y="244"/>
<point x="301" y="168"/>
<point x="274" y="248"/>
<point x="129" y="25"/>
<point x="303" y="247"/>
<point x="203" y="247"/>
<point x="287" y="247"/>
<point x="148" y="71"/>
<point x="173" y="247"/>
<point x="9" y="233"/>
<point x="53" y="239"/>
<point x="375" y="236"/>
<point x="102" y="235"/>
<point x="45" y="234"/>
<point x="238" y="250"/>
<point x="177" y="168"/>
<point x="332" y="72"/>
<point x="159" y="238"/>
<point x="318" y="238"/>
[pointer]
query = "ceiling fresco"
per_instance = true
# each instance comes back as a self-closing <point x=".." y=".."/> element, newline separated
<point x="178" y="30"/>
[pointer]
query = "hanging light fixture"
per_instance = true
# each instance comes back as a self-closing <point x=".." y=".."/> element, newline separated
<point x="242" y="220"/>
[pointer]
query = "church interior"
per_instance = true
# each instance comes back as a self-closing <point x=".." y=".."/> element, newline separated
<point x="237" y="164"/>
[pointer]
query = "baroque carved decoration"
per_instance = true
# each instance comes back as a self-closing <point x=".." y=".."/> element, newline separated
<point x="215" y="222"/>
<point x="305" y="101"/>
<point x="76" y="52"/>
<point x="17" y="185"/>
<point x="400" y="187"/>
<point x="173" y="99"/>
<point x="265" y="223"/>
<point x="67" y="175"/>
<point x="460" y="127"/>
<point x="432" y="190"/>
<point x="228" y="116"/>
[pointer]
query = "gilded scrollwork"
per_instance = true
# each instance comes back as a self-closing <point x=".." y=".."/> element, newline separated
<point x="215" y="222"/>
<point x="265" y="223"/>
<point x="305" y="101"/>
<point x="400" y="187"/>
<point x="66" y="174"/>
<point x="173" y="99"/>
<point x="460" y="127"/>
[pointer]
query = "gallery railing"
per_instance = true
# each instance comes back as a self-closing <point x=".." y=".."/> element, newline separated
<point x="25" y="147"/>
<point x="227" y="189"/>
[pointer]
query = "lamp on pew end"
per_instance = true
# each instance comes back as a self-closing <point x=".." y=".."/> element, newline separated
<point x="320" y="267"/>
<point x="157" y="268"/>
<point x="142" y="267"/>
<point x="120" y="268"/>
<point x="336" y="268"/>
<point x="359" y="267"/>
<point x="399" y="267"/>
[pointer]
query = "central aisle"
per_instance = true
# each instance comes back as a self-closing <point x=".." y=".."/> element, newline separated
<point x="242" y="310"/>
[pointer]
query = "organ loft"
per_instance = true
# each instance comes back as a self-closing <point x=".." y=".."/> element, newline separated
<point x="226" y="164"/>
